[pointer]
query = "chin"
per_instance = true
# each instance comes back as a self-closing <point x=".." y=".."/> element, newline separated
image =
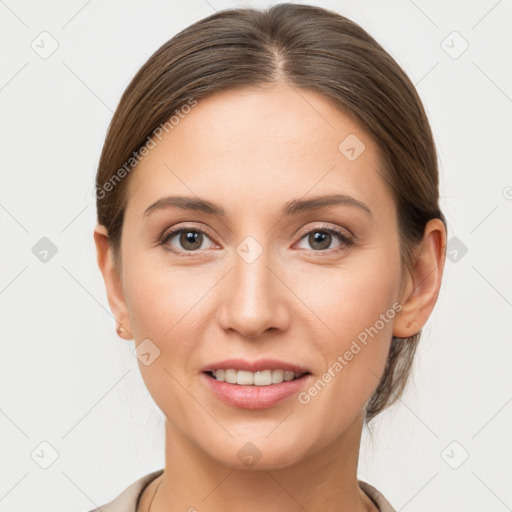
<point x="258" y="454"/>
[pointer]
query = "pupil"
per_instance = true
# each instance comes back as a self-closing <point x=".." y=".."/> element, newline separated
<point x="190" y="237"/>
<point x="323" y="239"/>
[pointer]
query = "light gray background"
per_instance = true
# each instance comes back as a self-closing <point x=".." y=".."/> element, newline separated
<point x="68" y="380"/>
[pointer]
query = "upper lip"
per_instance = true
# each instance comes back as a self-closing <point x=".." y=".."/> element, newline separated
<point x="254" y="366"/>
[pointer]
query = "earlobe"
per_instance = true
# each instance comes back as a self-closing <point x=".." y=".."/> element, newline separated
<point x="113" y="283"/>
<point x="423" y="281"/>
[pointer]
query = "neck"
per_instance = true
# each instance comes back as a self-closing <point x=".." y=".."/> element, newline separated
<point x="324" y="480"/>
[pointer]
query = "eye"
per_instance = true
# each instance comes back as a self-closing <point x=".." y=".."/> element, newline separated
<point x="321" y="238"/>
<point x="189" y="239"/>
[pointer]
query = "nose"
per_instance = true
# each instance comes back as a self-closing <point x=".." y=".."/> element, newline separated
<point x="253" y="297"/>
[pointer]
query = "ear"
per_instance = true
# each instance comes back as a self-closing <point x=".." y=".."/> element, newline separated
<point x="112" y="280"/>
<point x="423" y="281"/>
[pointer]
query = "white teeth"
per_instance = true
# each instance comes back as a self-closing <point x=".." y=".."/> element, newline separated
<point x="263" y="378"/>
<point x="244" y="378"/>
<point x="277" y="376"/>
<point x="247" y="378"/>
<point x="230" y="376"/>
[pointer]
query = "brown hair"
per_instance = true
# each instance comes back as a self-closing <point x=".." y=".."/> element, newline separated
<point x="306" y="47"/>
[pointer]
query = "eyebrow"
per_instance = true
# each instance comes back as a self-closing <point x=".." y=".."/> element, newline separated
<point x="291" y="208"/>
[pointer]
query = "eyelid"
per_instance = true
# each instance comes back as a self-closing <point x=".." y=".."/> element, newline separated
<point x="170" y="233"/>
<point x="346" y="240"/>
<point x="344" y="232"/>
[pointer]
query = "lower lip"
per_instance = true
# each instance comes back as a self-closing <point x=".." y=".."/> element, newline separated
<point x="255" y="397"/>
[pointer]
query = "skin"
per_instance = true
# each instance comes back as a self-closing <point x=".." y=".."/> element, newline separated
<point x="250" y="151"/>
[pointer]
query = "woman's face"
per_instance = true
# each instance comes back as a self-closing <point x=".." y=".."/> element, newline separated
<point x="268" y="279"/>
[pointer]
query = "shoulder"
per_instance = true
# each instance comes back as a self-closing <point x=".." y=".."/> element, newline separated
<point x="376" y="496"/>
<point x="127" y="501"/>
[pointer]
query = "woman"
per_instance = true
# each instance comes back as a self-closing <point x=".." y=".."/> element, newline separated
<point x="270" y="236"/>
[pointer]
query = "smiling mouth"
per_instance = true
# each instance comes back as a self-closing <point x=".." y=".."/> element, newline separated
<point x="260" y="378"/>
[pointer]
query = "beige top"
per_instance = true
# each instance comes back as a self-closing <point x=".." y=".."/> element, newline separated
<point x="128" y="500"/>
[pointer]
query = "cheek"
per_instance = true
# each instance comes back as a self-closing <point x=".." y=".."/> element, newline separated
<point x="160" y="296"/>
<point x="170" y="305"/>
<point x="357" y="304"/>
<point x="163" y="303"/>
<point x="352" y="296"/>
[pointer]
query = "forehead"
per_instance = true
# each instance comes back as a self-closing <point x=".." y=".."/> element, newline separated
<point x="254" y="145"/>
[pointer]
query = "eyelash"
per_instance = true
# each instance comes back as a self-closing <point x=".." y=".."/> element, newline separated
<point x="344" y="239"/>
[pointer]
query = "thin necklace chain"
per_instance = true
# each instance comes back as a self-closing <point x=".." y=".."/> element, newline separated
<point x="154" y="494"/>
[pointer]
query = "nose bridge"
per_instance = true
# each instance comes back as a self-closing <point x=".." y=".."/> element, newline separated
<point x="252" y="301"/>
